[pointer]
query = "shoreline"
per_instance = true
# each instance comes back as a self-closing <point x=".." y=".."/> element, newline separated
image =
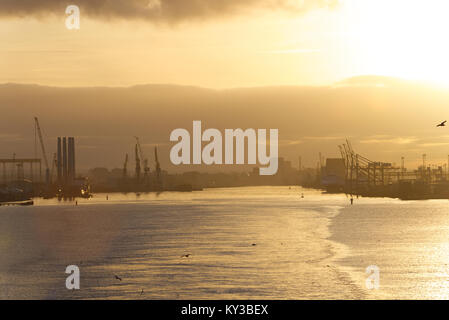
<point x="374" y="195"/>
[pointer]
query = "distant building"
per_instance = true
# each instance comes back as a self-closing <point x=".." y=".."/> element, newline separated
<point x="334" y="174"/>
<point x="286" y="175"/>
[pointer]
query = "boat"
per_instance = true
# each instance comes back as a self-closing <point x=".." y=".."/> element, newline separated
<point x="10" y="194"/>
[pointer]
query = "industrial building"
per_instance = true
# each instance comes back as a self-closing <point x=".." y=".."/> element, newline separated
<point x="333" y="176"/>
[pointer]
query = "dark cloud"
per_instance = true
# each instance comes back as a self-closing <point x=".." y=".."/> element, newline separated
<point x="157" y="10"/>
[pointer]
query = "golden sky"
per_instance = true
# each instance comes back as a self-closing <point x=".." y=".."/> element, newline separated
<point x="227" y="44"/>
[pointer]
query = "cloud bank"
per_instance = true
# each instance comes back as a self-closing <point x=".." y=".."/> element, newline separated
<point x="170" y="11"/>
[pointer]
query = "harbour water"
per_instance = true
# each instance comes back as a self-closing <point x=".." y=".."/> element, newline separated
<point x="236" y="243"/>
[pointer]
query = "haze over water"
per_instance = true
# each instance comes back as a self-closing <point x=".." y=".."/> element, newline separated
<point x="243" y="243"/>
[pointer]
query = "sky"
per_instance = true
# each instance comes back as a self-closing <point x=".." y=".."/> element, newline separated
<point x="223" y="43"/>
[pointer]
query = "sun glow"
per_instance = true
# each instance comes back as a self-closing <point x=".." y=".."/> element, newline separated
<point x="403" y="38"/>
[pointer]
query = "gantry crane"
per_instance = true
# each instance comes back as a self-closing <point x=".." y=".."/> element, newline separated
<point x="362" y="171"/>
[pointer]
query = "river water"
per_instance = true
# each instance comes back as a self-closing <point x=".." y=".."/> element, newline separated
<point x="236" y="243"/>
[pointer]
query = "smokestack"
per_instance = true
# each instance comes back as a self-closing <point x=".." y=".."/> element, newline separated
<point x="73" y="158"/>
<point x="70" y="160"/>
<point x="64" y="159"/>
<point x="59" y="159"/>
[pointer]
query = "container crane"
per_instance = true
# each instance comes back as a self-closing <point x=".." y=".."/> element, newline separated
<point x="44" y="154"/>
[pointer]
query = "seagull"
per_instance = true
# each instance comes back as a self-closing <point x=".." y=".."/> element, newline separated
<point x="442" y="124"/>
<point x="117" y="277"/>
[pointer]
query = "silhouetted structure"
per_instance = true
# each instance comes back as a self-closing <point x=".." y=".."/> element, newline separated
<point x="66" y="160"/>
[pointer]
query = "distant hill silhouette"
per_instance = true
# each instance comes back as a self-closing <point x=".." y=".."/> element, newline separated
<point x="385" y="117"/>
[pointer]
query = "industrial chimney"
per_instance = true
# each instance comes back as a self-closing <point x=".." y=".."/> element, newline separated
<point x="71" y="158"/>
<point x="59" y="161"/>
<point x="64" y="159"/>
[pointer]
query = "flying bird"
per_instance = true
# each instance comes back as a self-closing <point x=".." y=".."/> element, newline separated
<point x="117" y="277"/>
<point x="442" y="124"/>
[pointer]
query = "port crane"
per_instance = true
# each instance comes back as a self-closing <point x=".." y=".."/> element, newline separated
<point x="136" y="152"/>
<point x="125" y="167"/>
<point x="44" y="154"/>
<point x="362" y="171"/>
<point x="139" y="154"/>
<point x="158" y="169"/>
